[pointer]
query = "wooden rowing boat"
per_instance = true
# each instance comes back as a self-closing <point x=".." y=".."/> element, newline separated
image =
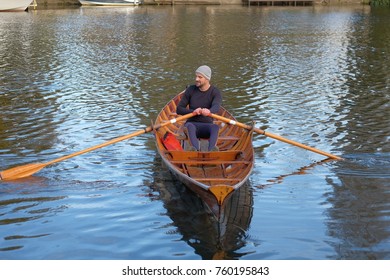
<point x="213" y="176"/>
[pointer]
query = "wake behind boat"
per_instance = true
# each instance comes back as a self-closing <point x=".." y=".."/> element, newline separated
<point x="110" y="2"/>
<point x="14" y="5"/>
<point x="215" y="175"/>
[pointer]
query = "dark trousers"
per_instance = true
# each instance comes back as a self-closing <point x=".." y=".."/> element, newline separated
<point x="198" y="130"/>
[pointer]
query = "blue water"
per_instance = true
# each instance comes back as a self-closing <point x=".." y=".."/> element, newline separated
<point x="74" y="78"/>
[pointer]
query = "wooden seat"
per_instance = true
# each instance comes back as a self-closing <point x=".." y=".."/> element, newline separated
<point x="206" y="158"/>
<point x="182" y="135"/>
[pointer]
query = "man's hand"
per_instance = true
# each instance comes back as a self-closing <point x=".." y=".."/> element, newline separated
<point x="198" y="111"/>
<point x="205" y="112"/>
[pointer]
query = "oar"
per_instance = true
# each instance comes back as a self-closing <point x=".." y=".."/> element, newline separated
<point x="280" y="138"/>
<point x="29" y="169"/>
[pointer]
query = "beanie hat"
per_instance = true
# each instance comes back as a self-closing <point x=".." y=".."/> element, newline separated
<point x="205" y="71"/>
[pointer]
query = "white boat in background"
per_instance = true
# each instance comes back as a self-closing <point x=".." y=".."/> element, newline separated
<point x="14" y="5"/>
<point x="110" y="2"/>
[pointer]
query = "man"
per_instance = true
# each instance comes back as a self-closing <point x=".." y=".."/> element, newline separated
<point x="203" y="99"/>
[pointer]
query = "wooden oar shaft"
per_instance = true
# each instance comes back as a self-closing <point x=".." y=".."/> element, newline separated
<point x="122" y="138"/>
<point x="29" y="169"/>
<point x="113" y="141"/>
<point x="277" y="137"/>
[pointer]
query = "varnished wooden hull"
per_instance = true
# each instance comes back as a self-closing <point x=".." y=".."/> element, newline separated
<point x="213" y="176"/>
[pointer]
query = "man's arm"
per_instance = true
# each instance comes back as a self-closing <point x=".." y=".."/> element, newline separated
<point x="216" y="101"/>
<point x="182" y="108"/>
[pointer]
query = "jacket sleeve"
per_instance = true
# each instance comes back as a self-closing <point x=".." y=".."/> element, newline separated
<point x="216" y="101"/>
<point x="182" y="107"/>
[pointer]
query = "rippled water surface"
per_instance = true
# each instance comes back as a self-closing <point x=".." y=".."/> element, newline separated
<point x="72" y="79"/>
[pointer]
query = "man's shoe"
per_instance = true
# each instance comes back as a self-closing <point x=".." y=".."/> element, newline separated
<point x="192" y="149"/>
<point x="214" y="149"/>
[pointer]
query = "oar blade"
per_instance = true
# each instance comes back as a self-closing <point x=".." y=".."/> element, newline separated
<point x="23" y="171"/>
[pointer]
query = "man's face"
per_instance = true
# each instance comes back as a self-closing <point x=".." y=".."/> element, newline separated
<point x="200" y="80"/>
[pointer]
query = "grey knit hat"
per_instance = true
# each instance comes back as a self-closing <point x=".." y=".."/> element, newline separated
<point x="205" y="71"/>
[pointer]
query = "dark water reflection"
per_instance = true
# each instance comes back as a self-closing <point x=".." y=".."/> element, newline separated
<point x="72" y="79"/>
<point x="360" y="197"/>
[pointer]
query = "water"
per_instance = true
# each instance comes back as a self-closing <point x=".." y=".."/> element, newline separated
<point x="74" y="78"/>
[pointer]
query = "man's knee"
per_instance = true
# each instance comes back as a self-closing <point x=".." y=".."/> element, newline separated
<point x="190" y="126"/>
<point x="214" y="127"/>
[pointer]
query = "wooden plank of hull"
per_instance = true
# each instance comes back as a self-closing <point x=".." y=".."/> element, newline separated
<point x="213" y="176"/>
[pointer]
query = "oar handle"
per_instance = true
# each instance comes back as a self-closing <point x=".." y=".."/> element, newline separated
<point x="277" y="137"/>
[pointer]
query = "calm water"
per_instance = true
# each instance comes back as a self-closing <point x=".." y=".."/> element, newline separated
<point x="72" y="79"/>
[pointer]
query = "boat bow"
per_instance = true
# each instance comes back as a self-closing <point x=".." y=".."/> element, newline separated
<point x="221" y="192"/>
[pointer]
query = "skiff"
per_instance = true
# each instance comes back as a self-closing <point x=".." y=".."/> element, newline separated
<point x="213" y="176"/>
<point x="110" y="2"/>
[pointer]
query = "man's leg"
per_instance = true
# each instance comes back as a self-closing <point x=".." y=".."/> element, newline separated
<point x="191" y="128"/>
<point x="214" y="128"/>
<point x="210" y="131"/>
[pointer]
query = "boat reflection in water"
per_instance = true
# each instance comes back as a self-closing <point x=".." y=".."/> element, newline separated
<point x="212" y="237"/>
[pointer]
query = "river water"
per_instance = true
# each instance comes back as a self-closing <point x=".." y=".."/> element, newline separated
<point x="74" y="78"/>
